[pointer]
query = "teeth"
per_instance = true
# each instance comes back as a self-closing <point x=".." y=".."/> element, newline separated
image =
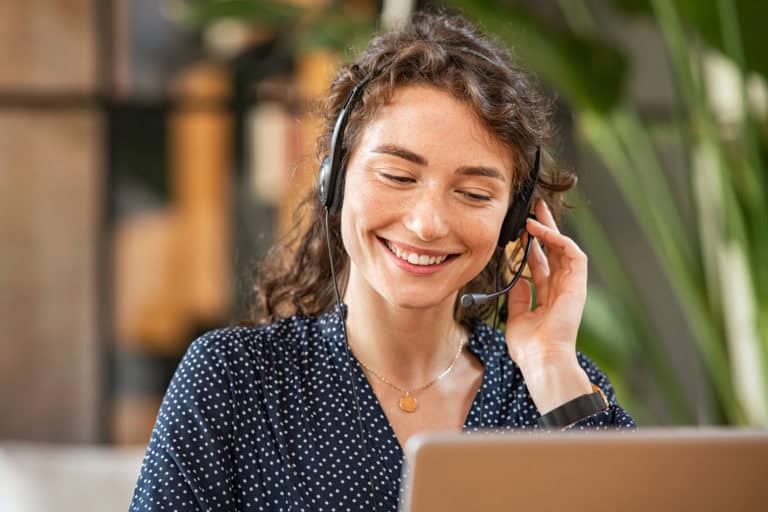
<point x="413" y="258"/>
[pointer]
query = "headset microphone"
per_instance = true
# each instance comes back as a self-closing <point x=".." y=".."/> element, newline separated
<point x="472" y="299"/>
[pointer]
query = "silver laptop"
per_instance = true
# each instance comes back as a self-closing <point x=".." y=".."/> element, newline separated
<point x="659" y="470"/>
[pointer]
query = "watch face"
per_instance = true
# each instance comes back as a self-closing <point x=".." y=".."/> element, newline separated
<point x="597" y="389"/>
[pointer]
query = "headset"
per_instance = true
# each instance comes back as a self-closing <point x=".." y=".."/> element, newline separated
<point x="330" y="179"/>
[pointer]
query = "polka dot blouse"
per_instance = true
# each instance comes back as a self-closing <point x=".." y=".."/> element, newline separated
<point x="264" y="418"/>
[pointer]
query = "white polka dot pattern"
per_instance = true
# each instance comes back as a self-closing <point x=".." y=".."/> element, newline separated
<point x="263" y="418"/>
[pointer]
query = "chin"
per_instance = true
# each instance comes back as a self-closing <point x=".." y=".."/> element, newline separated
<point x="418" y="299"/>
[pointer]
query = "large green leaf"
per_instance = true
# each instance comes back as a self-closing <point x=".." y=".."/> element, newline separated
<point x="589" y="73"/>
<point x="615" y="326"/>
<point x="336" y="29"/>
<point x="332" y="27"/>
<point x="704" y="17"/>
<point x="264" y="13"/>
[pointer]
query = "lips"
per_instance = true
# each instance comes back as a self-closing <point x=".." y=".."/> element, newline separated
<point x="417" y="257"/>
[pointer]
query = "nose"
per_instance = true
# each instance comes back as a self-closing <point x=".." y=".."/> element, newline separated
<point x="428" y="217"/>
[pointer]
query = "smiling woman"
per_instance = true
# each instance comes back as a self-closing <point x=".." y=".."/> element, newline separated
<point x="431" y="134"/>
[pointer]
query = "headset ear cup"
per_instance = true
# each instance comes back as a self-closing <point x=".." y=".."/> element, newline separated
<point x="338" y="192"/>
<point x="324" y="183"/>
<point x="514" y="223"/>
<point x="330" y="186"/>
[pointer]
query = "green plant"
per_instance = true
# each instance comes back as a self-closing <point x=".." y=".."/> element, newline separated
<point x="333" y="25"/>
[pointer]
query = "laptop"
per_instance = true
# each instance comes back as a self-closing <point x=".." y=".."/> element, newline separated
<point x="659" y="470"/>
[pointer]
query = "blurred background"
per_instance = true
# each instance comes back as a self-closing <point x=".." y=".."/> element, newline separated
<point x="151" y="150"/>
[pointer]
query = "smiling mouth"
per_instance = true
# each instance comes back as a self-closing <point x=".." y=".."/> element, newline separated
<point x="415" y="258"/>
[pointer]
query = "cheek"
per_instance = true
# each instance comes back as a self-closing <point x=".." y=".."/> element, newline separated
<point x="363" y="211"/>
<point x="349" y="225"/>
<point x="483" y="231"/>
<point x="482" y="235"/>
<point x="366" y="204"/>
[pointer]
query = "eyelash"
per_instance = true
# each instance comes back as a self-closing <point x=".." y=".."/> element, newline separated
<point x="398" y="179"/>
<point x="476" y="197"/>
<point x="404" y="180"/>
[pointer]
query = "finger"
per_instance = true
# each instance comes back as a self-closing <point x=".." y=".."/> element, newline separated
<point x="544" y="215"/>
<point x="551" y="254"/>
<point x="563" y="252"/>
<point x="537" y="262"/>
<point x="518" y="299"/>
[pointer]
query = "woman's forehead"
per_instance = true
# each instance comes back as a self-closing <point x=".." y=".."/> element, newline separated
<point x="433" y="123"/>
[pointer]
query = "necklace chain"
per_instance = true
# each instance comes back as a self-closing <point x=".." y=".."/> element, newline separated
<point x="410" y="392"/>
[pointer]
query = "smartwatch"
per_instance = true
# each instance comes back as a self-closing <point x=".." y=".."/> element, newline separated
<point x="576" y="410"/>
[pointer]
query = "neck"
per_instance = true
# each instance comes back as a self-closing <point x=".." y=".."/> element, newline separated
<point x="409" y="346"/>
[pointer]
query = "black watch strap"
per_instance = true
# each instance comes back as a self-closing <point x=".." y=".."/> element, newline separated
<point x="575" y="410"/>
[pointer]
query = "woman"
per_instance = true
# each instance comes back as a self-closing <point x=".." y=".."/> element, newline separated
<point x="440" y="131"/>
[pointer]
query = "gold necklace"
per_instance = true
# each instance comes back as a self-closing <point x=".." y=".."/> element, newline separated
<point x="407" y="401"/>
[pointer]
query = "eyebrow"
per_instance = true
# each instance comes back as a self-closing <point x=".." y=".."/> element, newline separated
<point x="480" y="170"/>
<point x="466" y="170"/>
<point x="400" y="152"/>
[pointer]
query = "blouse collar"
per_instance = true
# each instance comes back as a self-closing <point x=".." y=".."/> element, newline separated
<point x="483" y="339"/>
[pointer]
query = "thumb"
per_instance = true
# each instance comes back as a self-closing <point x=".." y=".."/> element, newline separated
<point x="519" y="299"/>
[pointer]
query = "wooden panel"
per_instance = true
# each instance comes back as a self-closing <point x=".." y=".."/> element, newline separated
<point x="48" y="45"/>
<point x="316" y="69"/>
<point x="200" y="150"/>
<point x="50" y="209"/>
<point x="151" y="312"/>
<point x="133" y="418"/>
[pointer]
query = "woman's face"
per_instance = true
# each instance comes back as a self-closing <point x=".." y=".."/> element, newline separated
<point x="427" y="187"/>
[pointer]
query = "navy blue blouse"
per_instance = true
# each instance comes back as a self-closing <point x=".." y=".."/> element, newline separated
<point x="263" y="418"/>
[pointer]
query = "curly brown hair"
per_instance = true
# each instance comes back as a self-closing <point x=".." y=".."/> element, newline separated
<point x="444" y="51"/>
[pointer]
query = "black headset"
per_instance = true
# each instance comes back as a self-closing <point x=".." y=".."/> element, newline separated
<point x="330" y="179"/>
<point x="330" y="188"/>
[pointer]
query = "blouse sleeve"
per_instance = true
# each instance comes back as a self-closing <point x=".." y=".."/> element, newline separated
<point x="189" y="465"/>
<point x="612" y="418"/>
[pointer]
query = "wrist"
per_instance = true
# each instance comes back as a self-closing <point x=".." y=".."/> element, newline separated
<point x="552" y="382"/>
<point x="574" y="411"/>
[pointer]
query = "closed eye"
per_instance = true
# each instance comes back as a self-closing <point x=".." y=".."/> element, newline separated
<point x="398" y="179"/>
<point x="476" y="197"/>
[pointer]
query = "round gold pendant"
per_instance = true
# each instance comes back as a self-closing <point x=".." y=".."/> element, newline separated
<point x="407" y="403"/>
